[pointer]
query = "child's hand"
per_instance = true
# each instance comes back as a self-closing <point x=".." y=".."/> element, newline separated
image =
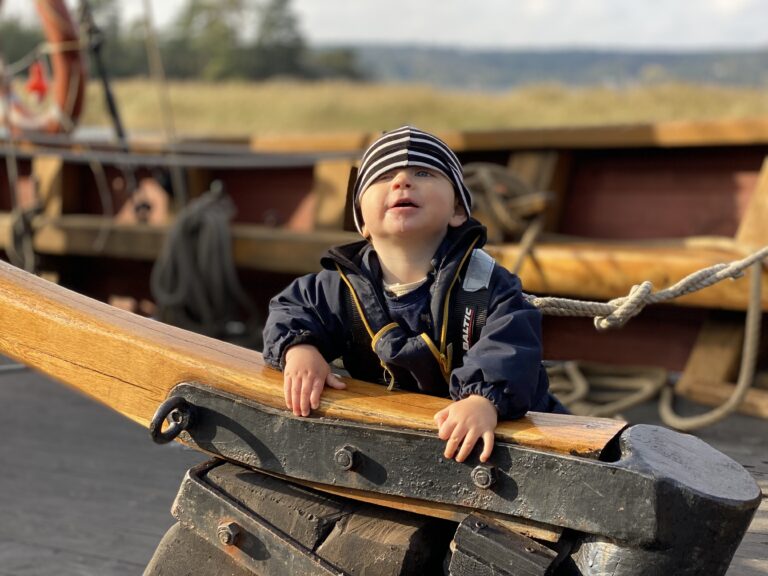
<point x="306" y="373"/>
<point x="467" y="420"/>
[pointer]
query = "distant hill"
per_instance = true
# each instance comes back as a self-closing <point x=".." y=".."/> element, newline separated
<point x="498" y="70"/>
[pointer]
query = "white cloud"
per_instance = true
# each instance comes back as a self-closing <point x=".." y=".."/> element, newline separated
<point x="728" y="7"/>
<point x="537" y="8"/>
<point x="512" y="23"/>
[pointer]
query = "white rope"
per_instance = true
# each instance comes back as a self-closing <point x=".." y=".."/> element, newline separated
<point x="749" y="356"/>
<point x="16" y="68"/>
<point x="617" y="312"/>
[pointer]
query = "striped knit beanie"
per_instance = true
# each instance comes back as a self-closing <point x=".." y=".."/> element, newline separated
<point x="408" y="146"/>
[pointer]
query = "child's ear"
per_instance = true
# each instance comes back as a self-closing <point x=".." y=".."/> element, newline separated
<point x="366" y="234"/>
<point x="459" y="215"/>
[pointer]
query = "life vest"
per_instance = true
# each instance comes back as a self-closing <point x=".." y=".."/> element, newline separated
<point x="467" y="314"/>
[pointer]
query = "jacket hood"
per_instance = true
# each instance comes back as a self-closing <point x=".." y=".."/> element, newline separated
<point x="351" y="256"/>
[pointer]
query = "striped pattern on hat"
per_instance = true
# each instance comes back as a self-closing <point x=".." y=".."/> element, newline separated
<point x="408" y="146"/>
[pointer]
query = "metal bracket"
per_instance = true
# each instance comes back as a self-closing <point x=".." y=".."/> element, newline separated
<point x="664" y="491"/>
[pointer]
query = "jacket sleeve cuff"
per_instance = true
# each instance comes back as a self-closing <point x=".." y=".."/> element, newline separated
<point x="294" y="339"/>
<point x="507" y="404"/>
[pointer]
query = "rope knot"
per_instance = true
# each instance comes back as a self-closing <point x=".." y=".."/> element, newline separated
<point x="626" y="307"/>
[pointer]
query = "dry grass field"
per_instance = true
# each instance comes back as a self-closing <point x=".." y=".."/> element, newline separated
<point x="240" y="108"/>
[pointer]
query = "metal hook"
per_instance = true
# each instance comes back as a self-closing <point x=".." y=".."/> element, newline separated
<point x="178" y="412"/>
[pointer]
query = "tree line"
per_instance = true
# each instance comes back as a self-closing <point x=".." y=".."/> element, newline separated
<point x="210" y="40"/>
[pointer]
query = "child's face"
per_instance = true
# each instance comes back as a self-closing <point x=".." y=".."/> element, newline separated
<point x="411" y="202"/>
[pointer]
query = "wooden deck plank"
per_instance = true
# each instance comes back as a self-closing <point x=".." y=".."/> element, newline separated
<point x="70" y="507"/>
<point x="751" y="558"/>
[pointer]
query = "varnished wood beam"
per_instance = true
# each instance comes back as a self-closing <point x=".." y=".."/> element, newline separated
<point x="130" y="364"/>
<point x="663" y="135"/>
<point x="605" y="270"/>
<point x="587" y="270"/>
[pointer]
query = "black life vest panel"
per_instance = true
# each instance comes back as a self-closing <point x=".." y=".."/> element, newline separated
<point x="467" y="317"/>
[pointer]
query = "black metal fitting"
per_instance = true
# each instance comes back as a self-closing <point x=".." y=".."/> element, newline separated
<point x="643" y="512"/>
<point x="227" y="533"/>
<point x="483" y="476"/>
<point x="346" y="458"/>
<point x="179" y="412"/>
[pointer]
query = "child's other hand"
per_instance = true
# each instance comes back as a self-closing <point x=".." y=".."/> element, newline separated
<point x="306" y="373"/>
<point x="463" y="423"/>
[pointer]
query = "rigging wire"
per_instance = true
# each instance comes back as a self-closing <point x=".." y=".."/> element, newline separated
<point x="157" y="71"/>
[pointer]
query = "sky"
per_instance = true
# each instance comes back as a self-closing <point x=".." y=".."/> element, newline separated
<point x="533" y="24"/>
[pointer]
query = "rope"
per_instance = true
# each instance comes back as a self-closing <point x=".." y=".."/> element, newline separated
<point x="746" y="370"/>
<point x="41" y="49"/>
<point x="593" y="390"/>
<point x="504" y="199"/>
<point x="616" y="313"/>
<point x="528" y="241"/>
<point x="194" y="281"/>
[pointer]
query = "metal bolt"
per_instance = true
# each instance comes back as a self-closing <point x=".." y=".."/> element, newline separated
<point x="178" y="416"/>
<point x="228" y="533"/>
<point x="484" y="476"/>
<point x="346" y="457"/>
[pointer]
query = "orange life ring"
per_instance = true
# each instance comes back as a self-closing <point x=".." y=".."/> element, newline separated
<point x="70" y="74"/>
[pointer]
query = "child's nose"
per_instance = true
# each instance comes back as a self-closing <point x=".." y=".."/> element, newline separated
<point x="401" y="180"/>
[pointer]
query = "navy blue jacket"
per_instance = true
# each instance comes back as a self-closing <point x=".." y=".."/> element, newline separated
<point x="504" y="365"/>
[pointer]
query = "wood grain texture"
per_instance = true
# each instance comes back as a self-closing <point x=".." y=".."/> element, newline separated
<point x="130" y="363"/>
<point x="454" y="513"/>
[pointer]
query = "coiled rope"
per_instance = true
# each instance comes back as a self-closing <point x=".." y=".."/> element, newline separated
<point x="194" y="280"/>
<point x="508" y="206"/>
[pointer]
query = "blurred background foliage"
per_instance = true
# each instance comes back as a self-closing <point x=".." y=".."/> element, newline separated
<point x="210" y="40"/>
<point x="238" y="66"/>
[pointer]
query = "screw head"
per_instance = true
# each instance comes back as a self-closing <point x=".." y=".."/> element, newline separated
<point x="346" y="457"/>
<point x="483" y="476"/>
<point x="228" y="533"/>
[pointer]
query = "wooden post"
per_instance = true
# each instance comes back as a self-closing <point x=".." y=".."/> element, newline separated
<point x="330" y="189"/>
<point x="713" y="362"/>
<point x="57" y="184"/>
